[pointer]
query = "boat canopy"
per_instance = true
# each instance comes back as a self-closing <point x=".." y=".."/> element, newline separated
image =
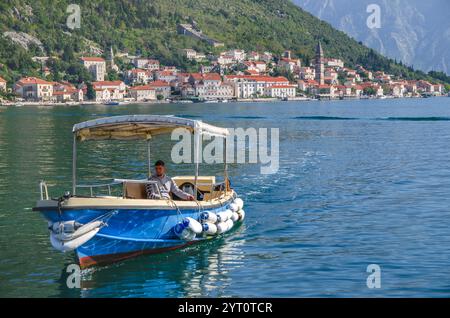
<point x="135" y="127"/>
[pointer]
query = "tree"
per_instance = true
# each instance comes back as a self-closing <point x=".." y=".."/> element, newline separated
<point x="68" y="54"/>
<point x="369" y="91"/>
<point x="6" y="95"/>
<point x="342" y="77"/>
<point x="113" y="75"/>
<point x="90" y="93"/>
<point x="77" y="73"/>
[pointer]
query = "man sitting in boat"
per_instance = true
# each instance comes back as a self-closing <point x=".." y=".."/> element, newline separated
<point x="166" y="185"/>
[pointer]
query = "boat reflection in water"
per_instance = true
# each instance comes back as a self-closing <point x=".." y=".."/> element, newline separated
<point x="204" y="270"/>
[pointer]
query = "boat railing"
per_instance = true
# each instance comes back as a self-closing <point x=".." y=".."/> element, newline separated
<point x="43" y="188"/>
<point x="215" y="188"/>
<point x="91" y="187"/>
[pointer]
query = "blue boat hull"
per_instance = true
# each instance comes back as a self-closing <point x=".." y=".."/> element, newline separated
<point x="128" y="233"/>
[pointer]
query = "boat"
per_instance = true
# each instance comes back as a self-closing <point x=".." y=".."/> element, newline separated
<point x="103" y="229"/>
<point x="112" y="103"/>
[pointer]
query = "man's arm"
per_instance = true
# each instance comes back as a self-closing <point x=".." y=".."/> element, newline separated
<point x="178" y="192"/>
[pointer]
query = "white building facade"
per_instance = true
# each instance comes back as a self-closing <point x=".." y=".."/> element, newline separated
<point x="96" y="66"/>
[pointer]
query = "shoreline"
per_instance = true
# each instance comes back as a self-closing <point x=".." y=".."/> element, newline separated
<point x="240" y="100"/>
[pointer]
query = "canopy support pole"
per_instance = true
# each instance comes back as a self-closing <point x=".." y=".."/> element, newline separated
<point x="226" y="166"/>
<point x="74" y="165"/>
<point x="149" y="158"/>
<point x="197" y="136"/>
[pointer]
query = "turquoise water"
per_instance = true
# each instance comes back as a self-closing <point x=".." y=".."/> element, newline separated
<point x="360" y="182"/>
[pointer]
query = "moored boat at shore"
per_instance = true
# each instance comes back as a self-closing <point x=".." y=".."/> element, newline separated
<point x="112" y="103"/>
<point x="106" y="228"/>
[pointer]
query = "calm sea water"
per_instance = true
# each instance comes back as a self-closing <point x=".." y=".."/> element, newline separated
<point x="360" y="182"/>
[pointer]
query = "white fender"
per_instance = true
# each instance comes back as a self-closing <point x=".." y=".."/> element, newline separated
<point x="65" y="226"/>
<point x="240" y="203"/>
<point x="230" y="213"/>
<point x="235" y="217"/>
<point x="209" y="228"/>
<point x="223" y="216"/>
<point x="73" y="244"/>
<point x="209" y="217"/>
<point x="222" y="227"/>
<point x="187" y="235"/>
<point x="183" y="231"/>
<point x="65" y="236"/>
<point x="194" y="225"/>
<point x="241" y="215"/>
<point x="234" y="207"/>
<point x="229" y="224"/>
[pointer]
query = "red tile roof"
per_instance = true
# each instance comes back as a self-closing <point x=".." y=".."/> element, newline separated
<point x="197" y="76"/>
<point x="261" y="78"/>
<point x="137" y="70"/>
<point x="252" y="72"/>
<point x="61" y="93"/>
<point x="142" y="88"/>
<point x="166" y="73"/>
<point x="212" y="77"/>
<point x="159" y="84"/>
<point x="64" y="87"/>
<point x="368" y="84"/>
<point x="107" y="83"/>
<point x="2" y="80"/>
<point x="33" y="80"/>
<point x="93" y="59"/>
<point x="312" y="82"/>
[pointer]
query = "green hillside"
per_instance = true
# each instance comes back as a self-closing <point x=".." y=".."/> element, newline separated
<point x="148" y="27"/>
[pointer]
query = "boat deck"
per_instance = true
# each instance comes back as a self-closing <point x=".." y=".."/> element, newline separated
<point x="110" y="202"/>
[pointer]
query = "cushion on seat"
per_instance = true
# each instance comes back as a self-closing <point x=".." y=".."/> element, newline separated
<point x="135" y="190"/>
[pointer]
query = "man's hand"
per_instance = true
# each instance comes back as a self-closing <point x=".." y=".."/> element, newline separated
<point x="190" y="198"/>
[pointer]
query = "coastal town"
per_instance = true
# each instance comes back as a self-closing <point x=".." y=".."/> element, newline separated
<point x="231" y="75"/>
